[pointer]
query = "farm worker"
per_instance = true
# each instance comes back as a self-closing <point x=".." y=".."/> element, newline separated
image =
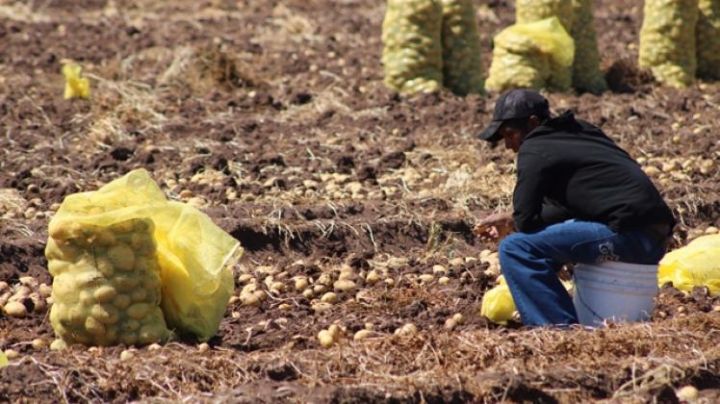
<point x="579" y="198"/>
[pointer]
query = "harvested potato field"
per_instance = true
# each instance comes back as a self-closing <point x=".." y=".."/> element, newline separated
<point x="354" y="205"/>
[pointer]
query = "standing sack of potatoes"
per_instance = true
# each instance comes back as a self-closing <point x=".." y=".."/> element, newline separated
<point x="586" y="65"/>
<point x="667" y="41"/>
<point x="708" y="40"/>
<point x="462" y="65"/>
<point x="533" y="55"/>
<point x="128" y="264"/>
<point x="577" y="18"/>
<point x="412" y="49"/>
<point x="106" y="283"/>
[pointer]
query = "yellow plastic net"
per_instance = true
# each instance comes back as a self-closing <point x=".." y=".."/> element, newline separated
<point x="497" y="303"/>
<point x="708" y="40"/>
<point x="527" y="11"/>
<point x="106" y="283"/>
<point x="697" y="264"/>
<point x="586" y="74"/>
<point x="534" y="55"/>
<point x="667" y="40"/>
<point x="129" y="237"/>
<point x="412" y="49"/>
<point x="76" y="86"/>
<point x="462" y="64"/>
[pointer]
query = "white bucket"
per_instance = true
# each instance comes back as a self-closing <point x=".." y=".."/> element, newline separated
<point x="614" y="291"/>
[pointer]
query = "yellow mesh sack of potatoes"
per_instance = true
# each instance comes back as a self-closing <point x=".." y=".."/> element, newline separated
<point x="106" y="283"/>
<point x="696" y="264"/>
<point x="192" y="256"/>
<point x="533" y="55"/>
<point x="586" y="74"/>
<point x="527" y="11"/>
<point x="708" y="40"/>
<point x="667" y="41"/>
<point x="462" y="65"/>
<point x="412" y="48"/>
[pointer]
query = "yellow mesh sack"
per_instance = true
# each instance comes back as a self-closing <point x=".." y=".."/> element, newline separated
<point x="462" y="64"/>
<point x="412" y="49"/>
<point x="697" y="264"/>
<point x="194" y="257"/>
<point x="534" y="55"/>
<point x="497" y="303"/>
<point x="586" y="74"/>
<point x="667" y="41"/>
<point x="708" y="40"/>
<point x="106" y="283"/>
<point x="527" y="11"/>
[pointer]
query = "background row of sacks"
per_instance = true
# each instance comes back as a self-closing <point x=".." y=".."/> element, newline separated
<point x="695" y="265"/>
<point x="428" y="43"/>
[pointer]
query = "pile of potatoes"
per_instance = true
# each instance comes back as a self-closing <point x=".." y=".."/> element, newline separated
<point x="106" y="284"/>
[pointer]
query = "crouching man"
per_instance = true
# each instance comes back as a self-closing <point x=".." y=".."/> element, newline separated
<point x="579" y="198"/>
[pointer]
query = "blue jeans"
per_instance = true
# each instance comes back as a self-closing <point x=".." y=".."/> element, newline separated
<point x="529" y="263"/>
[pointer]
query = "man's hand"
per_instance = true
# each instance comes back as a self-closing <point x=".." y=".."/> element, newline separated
<point x="495" y="226"/>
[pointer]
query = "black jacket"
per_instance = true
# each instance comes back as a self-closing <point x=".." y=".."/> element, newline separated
<point x="567" y="168"/>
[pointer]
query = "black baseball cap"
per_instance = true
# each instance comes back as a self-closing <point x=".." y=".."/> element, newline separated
<point x="515" y="104"/>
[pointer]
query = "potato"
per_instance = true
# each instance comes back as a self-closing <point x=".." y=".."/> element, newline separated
<point x="94" y="327"/>
<point x="104" y="313"/>
<point x="64" y="288"/>
<point x="139" y="295"/>
<point x="58" y="345"/>
<point x="125" y="283"/>
<point x="122" y="257"/>
<point x="326" y="339"/>
<point x="86" y="298"/>
<point x="122" y="301"/>
<point x="129" y="338"/>
<point x="344" y="285"/>
<point x="15" y="309"/>
<point x="150" y="333"/>
<point x="142" y="243"/>
<point x="138" y="311"/>
<point x="301" y="283"/>
<point x="104" y="266"/>
<point x="105" y="238"/>
<point x="126" y="226"/>
<point x="105" y="294"/>
<point x="129" y="325"/>
<point x="57" y="267"/>
<point x="329" y="297"/>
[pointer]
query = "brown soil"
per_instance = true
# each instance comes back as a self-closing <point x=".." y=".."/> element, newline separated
<point x="273" y="117"/>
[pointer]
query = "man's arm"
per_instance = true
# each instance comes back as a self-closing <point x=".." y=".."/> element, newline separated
<point x="530" y="191"/>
